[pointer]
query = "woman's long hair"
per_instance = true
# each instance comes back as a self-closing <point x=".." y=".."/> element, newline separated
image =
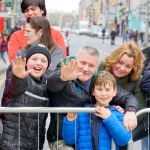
<point x="42" y="23"/>
<point x="132" y="50"/>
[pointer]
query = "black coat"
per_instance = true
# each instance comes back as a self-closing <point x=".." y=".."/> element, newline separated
<point x="113" y="34"/>
<point x="74" y="94"/>
<point x="26" y="92"/>
<point x="146" y="52"/>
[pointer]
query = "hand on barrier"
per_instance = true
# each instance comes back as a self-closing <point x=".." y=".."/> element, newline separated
<point x="130" y="121"/>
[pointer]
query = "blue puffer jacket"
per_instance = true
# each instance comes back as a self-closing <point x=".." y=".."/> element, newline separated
<point x="112" y="127"/>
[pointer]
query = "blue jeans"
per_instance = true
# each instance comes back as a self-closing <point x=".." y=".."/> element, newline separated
<point x="144" y="143"/>
<point x="2" y="56"/>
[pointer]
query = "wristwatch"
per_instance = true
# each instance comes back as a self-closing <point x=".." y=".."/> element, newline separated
<point x="130" y="109"/>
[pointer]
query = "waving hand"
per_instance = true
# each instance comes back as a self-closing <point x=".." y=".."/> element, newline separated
<point x="18" y="68"/>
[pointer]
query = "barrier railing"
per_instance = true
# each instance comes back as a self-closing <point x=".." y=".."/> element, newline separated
<point x="141" y="112"/>
<point x="54" y="110"/>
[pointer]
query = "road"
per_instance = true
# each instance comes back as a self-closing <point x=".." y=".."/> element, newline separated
<point x="76" y="42"/>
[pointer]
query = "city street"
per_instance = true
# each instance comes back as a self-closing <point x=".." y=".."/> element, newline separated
<point x="83" y="23"/>
<point x="76" y="42"/>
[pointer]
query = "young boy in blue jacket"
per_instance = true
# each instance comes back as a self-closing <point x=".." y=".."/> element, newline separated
<point x="95" y="131"/>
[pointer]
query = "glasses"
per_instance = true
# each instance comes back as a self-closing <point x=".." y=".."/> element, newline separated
<point x="27" y="32"/>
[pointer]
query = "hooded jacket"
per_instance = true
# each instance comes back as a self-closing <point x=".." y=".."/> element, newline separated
<point x="27" y="92"/>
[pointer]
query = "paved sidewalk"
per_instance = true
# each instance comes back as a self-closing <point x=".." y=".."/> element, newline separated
<point x="4" y="66"/>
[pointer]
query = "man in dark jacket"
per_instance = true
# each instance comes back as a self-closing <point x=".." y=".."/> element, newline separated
<point x="113" y="36"/>
<point x="72" y="87"/>
<point x="103" y="34"/>
<point x="146" y="52"/>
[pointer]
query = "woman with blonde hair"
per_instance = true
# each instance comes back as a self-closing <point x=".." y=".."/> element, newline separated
<point x="129" y="56"/>
<point x="126" y="64"/>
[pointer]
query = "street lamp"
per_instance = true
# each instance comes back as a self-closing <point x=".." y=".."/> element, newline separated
<point x="119" y="19"/>
<point x="107" y="15"/>
<point x="146" y="22"/>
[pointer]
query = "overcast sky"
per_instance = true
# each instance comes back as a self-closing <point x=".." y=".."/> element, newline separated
<point x="63" y="5"/>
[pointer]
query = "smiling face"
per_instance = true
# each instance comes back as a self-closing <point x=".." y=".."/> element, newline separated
<point x="88" y="65"/>
<point x="104" y="94"/>
<point x="38" y="63"/>
<point x="31" y="35"/>
<point x="33" y="11"/>
<point x="123" y="67"/>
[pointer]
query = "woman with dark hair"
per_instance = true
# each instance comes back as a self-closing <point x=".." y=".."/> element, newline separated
<point x="3" y="46"/>
<point x="36" y="31"/>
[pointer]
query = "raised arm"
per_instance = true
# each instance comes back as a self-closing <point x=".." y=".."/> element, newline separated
<point x="63" y="75"/>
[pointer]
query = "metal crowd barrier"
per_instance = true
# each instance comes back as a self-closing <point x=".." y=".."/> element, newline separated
<point x="55" y="110"/>
<point x="141" y="112"/>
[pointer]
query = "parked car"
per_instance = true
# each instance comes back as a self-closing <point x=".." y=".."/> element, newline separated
<point x="83" y="28"/>
<point x="93" y="30"/>
<point x="66" y="39"/>
<point x="99" y="34"/>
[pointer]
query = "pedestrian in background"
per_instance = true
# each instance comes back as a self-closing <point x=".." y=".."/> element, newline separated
<point x="103" y="34"/>
<point x="32" y="8"/>
<point x="142" y="37"/>
<point x="67" y="33"/>
<point x="92" y="129"/>
<point x="135" y="35"/>
<point x="26" y="87"/>
<point x="125" y="36"/>
<point x="16" y="28"/>
<point x="3" y="47"/>
<point x="113" y="36"/>
<point x="131" y="35"/>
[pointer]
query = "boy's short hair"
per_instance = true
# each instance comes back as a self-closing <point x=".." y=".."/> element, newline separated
<point x="104" y="78"/>
<point x="40" y="3"/>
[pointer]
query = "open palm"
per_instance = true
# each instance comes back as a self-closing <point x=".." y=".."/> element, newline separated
<point x="69" y="70"/>
<point x="18" y="68"/>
